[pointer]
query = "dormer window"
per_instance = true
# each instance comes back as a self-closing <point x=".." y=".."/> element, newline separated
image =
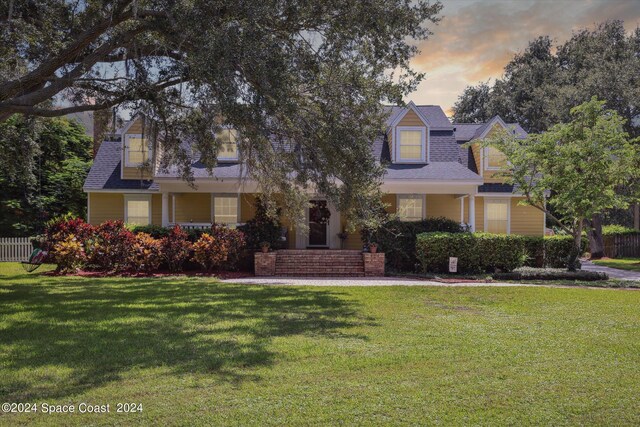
<point x="411" y="146"/>
<point x="136" y="150"/>
<point x="228" y="150"/>
<point x="494" y="159"/>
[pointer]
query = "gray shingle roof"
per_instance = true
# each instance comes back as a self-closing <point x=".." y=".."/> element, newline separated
<point x="434" y="114"/>
<point x="468" y="131"/>
<point x="435" y="171"/>
<point x="223" y="170"/>
<point x="105" y="171"/>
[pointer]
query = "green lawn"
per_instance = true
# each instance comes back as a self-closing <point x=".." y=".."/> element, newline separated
<point x="197" y="352"/>
<point x="632" y="264"/>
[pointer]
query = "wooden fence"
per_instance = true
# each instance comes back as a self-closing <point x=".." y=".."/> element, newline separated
<point x="622" y="246"/>
<point x="15" y="249"/>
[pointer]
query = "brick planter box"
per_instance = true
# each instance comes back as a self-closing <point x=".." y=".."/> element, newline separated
<point x="319" y="263"/>
<point x="373" y="264"/>
<point x="265" y="263"/>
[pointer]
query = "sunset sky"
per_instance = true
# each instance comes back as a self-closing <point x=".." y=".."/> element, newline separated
<point x="475" y="38"/>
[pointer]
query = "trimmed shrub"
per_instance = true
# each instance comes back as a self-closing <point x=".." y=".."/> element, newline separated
<point x="476" y="252"/>
<point x="534" y="248"/>
<point x="397" y="239"/>
<point x="210" y="252"/>
<point x="262" y="228"/>
<point x="110" y="246"/>
<point x="557" y="249"/>
<point x="618" y="230"/>
<point x="70" y="254"/>
<point x="59" y="230"/>
<point x="176" y="248"/>
<point x="234" y="243"/>
<point x="500" y="251"/>
<point x="145" y="253"/>
<point x="155" y="231"/>
<point x="551" y="274"/>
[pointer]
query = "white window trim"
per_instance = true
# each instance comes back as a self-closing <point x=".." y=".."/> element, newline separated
<point x="506" y="200"/>
<point x="126" y="150"/>
<point x="412" y="196"/>
<point x="136" y="198"/>
<point x="237" y="157"/>
<point x="426" y="156"/>
<point x="485" y="158"/>
<point x="213" y="205"/>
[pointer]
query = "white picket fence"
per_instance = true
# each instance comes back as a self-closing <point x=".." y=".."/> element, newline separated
<point x="15" y="249"/>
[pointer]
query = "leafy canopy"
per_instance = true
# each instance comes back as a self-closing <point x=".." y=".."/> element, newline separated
<point x="541" y="85"/>
<point x="43" y="165"/>
<point x="575" y="168"/>
<point x="286" y="74"/>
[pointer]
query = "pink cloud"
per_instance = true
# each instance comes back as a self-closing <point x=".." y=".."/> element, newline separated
<point x="476" y="39"/>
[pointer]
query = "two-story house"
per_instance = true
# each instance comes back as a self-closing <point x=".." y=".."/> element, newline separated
<point x="431" y="172"/>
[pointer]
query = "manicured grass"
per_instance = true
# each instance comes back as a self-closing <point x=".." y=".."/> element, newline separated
<point x="632" y="264"/>
<point x="197" y="352"/>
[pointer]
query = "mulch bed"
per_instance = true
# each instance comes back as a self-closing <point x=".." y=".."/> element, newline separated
<point x="162" y="273"/>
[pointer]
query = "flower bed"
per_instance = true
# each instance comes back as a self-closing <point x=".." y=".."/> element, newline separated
<point x="111" y="247"/>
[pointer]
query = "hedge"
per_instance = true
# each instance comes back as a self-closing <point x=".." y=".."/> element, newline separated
<point x="619" y="230"/>
<point x="476" y="252"/>
<point x="481" y="252"/>
<point x="397" y="239"/>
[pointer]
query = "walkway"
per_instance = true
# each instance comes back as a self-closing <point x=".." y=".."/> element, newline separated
<point x="614" y="273"/>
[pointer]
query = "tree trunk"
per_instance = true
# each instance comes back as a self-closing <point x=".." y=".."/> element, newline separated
<point x="596" y="241"/>
<point x="636" y="216"/>
<point x="573" y="263"/>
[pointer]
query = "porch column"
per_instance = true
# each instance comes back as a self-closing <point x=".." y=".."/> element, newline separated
<point x="472" y="212"/>
<point x="462" y="210"/>
<point x="165" y="209"/>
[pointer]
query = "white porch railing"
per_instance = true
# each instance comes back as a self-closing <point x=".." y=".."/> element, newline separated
<point x="15" y="249"/>
<point x="200" y="225"/>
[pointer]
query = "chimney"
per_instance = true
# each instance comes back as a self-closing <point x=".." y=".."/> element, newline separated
<point x="101" y="125"/>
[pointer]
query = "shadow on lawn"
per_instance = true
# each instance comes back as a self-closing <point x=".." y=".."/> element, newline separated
<point x="101" y="328"/>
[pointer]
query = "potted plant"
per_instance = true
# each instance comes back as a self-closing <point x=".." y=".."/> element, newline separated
<point x="265" y="246"/>
<point x="373" y="248"/>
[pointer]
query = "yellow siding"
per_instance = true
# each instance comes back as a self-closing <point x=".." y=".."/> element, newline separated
<point x="526" y="220"/>
<point x="136" y="127"/>
<point x="247" y="207"/>
<point x="475" y="150"/>
<point x="105" y="206"/>
<point x="193" y="207"/>
<point x="411" y="119"/>
<point x="391" y="201"/>
<point x="489" y="174"/>
<point x="156" y="209"/>
<point x="479" y="213"/>
<point x="443" y="205"/>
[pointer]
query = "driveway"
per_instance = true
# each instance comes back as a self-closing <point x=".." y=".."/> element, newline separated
<point x="614" y="273"/>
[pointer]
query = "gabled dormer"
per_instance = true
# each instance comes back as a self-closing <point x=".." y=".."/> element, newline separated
<point x="137" y="150"/>
<point x="489" y="160"/>
<point x="408" y="136"/>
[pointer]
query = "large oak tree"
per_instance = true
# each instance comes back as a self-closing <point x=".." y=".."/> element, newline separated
<point x="302" y="81"/>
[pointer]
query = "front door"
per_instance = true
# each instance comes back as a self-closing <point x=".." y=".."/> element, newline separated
<point x="318" y="224"/>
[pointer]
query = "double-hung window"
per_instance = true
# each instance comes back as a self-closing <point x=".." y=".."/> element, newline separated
<point x="225" y="209"/>
<point x="411" y="146"/>
<point x="136" y="151"/>
<point x="494" y="159"/>
<point x="137" y="209"/>
<point x="228" y="148"/>
<point x="411" y="207"/>
<point x="496" y="214"/>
